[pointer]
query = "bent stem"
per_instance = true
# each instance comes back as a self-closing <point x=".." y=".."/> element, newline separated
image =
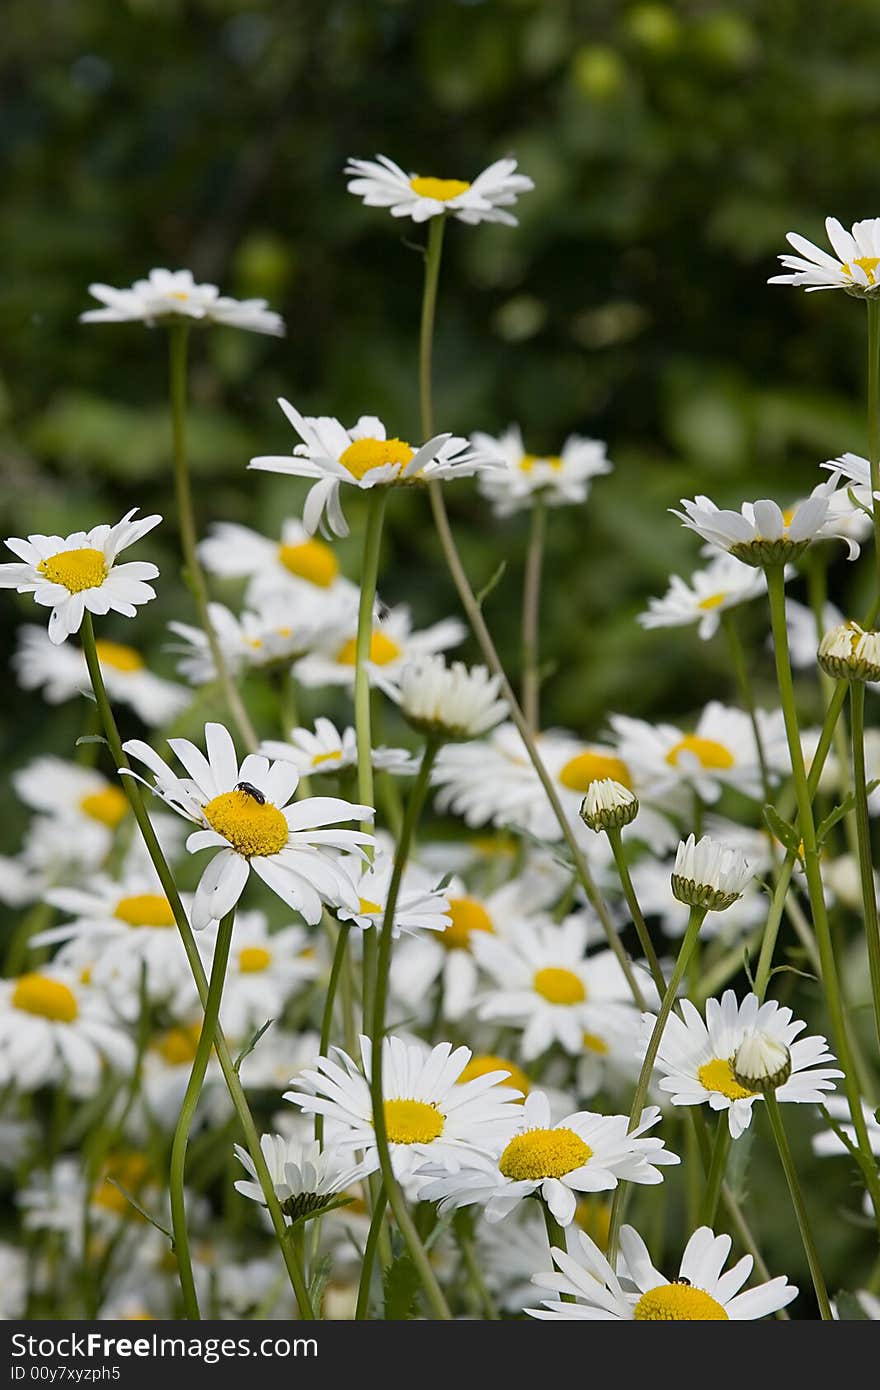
<point x="166" y="878"/>
<point x="179" y="1143"/>
<point x="863" y="828"/>
<point x="797" y="1201"/>
<point x="531" y="686"/>
<point x="178" y="338"/>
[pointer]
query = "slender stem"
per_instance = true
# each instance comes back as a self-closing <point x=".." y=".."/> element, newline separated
<point x="740" y="669"/>
<point x="329" y="1000"/>
<point x="833" y="998"/>
<point x="166" y="878"/>
<point x="817" y="588"/>
<point x="531" y="686"/>
<point x="874" y="418"/>
<point x="178" y="340"/>
<point x="363" y="1298"/>
<point x="715" y="1176"/>
<point x="863" y="828"/>
<point x="188" y="1110"/>
<point x="369" y="576"/>
<point x="797" y="1201"/>
<point x="463" y="1225"/>
<point x="433" y="253"/>
<point x="771" y="928"/>
<point x="615" y="839"/>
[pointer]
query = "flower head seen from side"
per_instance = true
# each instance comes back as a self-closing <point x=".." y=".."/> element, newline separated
<point x="725" y="583"/>
<point x="697" y="1056"/>
<point x="306" y="1178"/>
<point x="364" y="457"/>
<point x="327" y="750"/>
<point x="761" y="533"/>
<point x="245" y="813"/>
<point x="853" y="267"/>
<point x="169" y="296"/>
<point x="55" y="1029"/>
<point x="381" y="183"/>
<point x="556" y="480"/>
<point x="429" y="1116"/>
<point x="78" y="573"/>
<point x="848" y="652"/>
<point x="608" y="805"/>
<point x="638" y="1292"/>
<point x="273" y="634"/>
<point x="296" y="563"/>
<point x="420" y="906"/>
<point x="584" y="1152"/>
<point x="450" y="702"/>
<point x="708" y="874"/>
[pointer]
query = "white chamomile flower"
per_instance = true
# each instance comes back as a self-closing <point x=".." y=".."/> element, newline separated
<point x="761" y="533"/>
<point x="77" y="799"/>
<point x="709" y="874"/>
<point x="853" y="267"/>
<point x="638" y="1292"/>
<point x="61" y="673"/>
<point x="381" y="183"/>
<point x="275" y="633"/>
<point x="421" y="906"/>
<point x="393" y="646"/>
<point x="167" y="296"/>
<point x="450" y="702"/>
<point x="848" y="652"/>
<point x="325" y="749"/>
<point x="246" y="814"/>
<point x="556" y="480"/>
<point x="363" y="457"/>
<point x="78" y="573"/>
<point x="696" y="1057"/>
<point x="652" y="881"/>
<point x="297" y="562"/>
<point x="575" y="767"/>
<point x="584" y="1152"/>
<point x="429" y="1116"/>
<point x="489" y="781"/>
<point x="265" y="971"/>
<point x="54" y="1029"/>
<point x="724" y="583"/>
<point x="306" y="1178"/>
<point x="803" y="633"/>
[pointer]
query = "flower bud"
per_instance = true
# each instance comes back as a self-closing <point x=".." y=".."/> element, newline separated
<point x="762" y="1063"/>
<point x="850" y="653"/>
<point x="608" y="805"/>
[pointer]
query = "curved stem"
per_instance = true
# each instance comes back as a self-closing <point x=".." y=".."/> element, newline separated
<point x="166" y="878"/>
<point x="188" y="1110"/>
<point x="433" y="253"/>
<point x="329" y="1000"/>
<point x="715" y="1176"/>
<point x="797" y="1201"/>
<point x="863" y="828"/>
<point x="531" y="686"/>
<point x="178" y="338"/>
<point x="615" y="839"/>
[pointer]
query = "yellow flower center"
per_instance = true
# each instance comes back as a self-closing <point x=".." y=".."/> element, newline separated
<point x="441" y="189"/>
<point x="107" y="806"/>
<point x="253" y="959"/>
<point x="178" y="1045"/>
<point x="707" y="751"/>
<point x="39" y="994"/>
<point x="382" y="650"/>
<point x="320" y="758"/>
<point x="311" y="560"/>
<point x="594" y="1216"/>
<point x="717" y="1075"/>
<point x="178" y="294"/>
<point x="581" y="771"/>
<point x="678" y="1303"/>
<point x="593" y="1043"/>
<point x="117" y="655"/>
<point x="368" y="907"/>
<point x="788" y="516"/>
<point x="481" y="1066"/>
<point x="365" y="454"/>
<point x="528" y="461"/>
<point x="250" y="828"/>
<point x="866" y="263"/>
<point x="145" y="910"/>
<point x="467" y="916"/>
<point x="75" y="569"/>
<point x="543" y="1153"/>
<point x="711" y="601"/>
<point x="412" y="1122"/>
<point x="559" y="986"/>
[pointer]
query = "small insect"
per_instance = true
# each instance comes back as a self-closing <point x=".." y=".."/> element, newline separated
<point x="251" y="791"/>
<point x="681" y="1280"/>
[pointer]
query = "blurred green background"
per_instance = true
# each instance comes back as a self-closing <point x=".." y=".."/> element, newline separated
<point x="672" y="146"/>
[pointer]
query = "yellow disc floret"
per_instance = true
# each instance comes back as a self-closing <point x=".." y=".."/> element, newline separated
<point x="251" y="828"/>
<point x="712" y="601"/>
<point x="543" y="1153"/>
<point x="559" y="986"/>
<point x="310" y="560"/>
<point x="108" y="806"/>
<point x="467" y="916"/>
<point x="412" y="1122"/>
<point x="707" y="751"/>
<point x="252" y="960"/>
<point x="441" y="189"/>
<point x="145" y="910"/>
<point x="40" y="994"/>
<point x="366" y="454"/>
<point x="717" y="1075"/>
<point x="368" y="907"/>
<point x="678" y="1303"/>
<point x="178" y="1046"/>
<point x="75" y="569"/>
<point x="581" y="771"/>
<point x="117" y="655"/>
<point x="528" y="461"/>
<point x="382" y="650"/>
<point x="482" y="1065"/>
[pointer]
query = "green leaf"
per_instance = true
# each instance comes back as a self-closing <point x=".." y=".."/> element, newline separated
<point x="849" y="1309"/>
<point x="793" y="970"/>
<point x="144" y="1213"/>
<point x="492" y="583"/>
<point x="784" y="831"/>
<point x="843" y="809"/>
<point x="319" y="1280"/>
<point x="251" y="1043"/>
<point x="401" y="1286"/>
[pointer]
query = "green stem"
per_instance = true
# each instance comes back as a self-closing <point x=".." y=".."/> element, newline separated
<point x="874" y="419"/>
<point x="717" y="1169"/>
<point x="178" y="340"/>
<point x="463" y="1225"/>
<point x="362" y="715"/>
<point x="771" y="928"/>
<point x="327" y="1017"/>
<point x="366" y="1279"/>
<point x="166" y="878"/>
<point x="531" y="686"/>
<point x="187" y="1111"/>
<point x="433" y="253"/>
<point x="797" y="1201"/>
<point x="817" y="588"/>
<point x="863" y="828"/>
<point x="740" y="669"/>
<point x="615" y="839"/>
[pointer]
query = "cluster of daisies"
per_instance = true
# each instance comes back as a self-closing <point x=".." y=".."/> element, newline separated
<point x="567" y="926"/>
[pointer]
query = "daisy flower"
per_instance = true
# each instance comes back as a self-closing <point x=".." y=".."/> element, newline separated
<point x="275" y="633"/>
<point x="297" y="563"/>
<point x="306" y="1178"/>
<point x="640" y="1293"/>
<point x="584" y="1152"/>
<point x="450" y="702"/>
<point x="380" y="183"/>
<point x="761" y="533"/>
<point x="557" y="480"/>
<point x="696" y="1056"/>
<point x="78" y="573"/>
<point x="853" y="267"/>
<point x="575" y="767"/>
<point x="61" y="673"/>
<point x="430" y="1117"/>
<point x="393" y="646"/>
<point x="328" y="750"/>
<point x="55" y="1029"/>
<point x="490" y="781"/>
<point x="725" y="583"/>
<point x="244" y="813"/>
<point x="420" y="906"/>
<point x="363" y="457"/>
<point x="265" y="971"/>
<point x="169" y="296"/>
<point x="652" y="881"/>
<point x="77" y="799"/>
